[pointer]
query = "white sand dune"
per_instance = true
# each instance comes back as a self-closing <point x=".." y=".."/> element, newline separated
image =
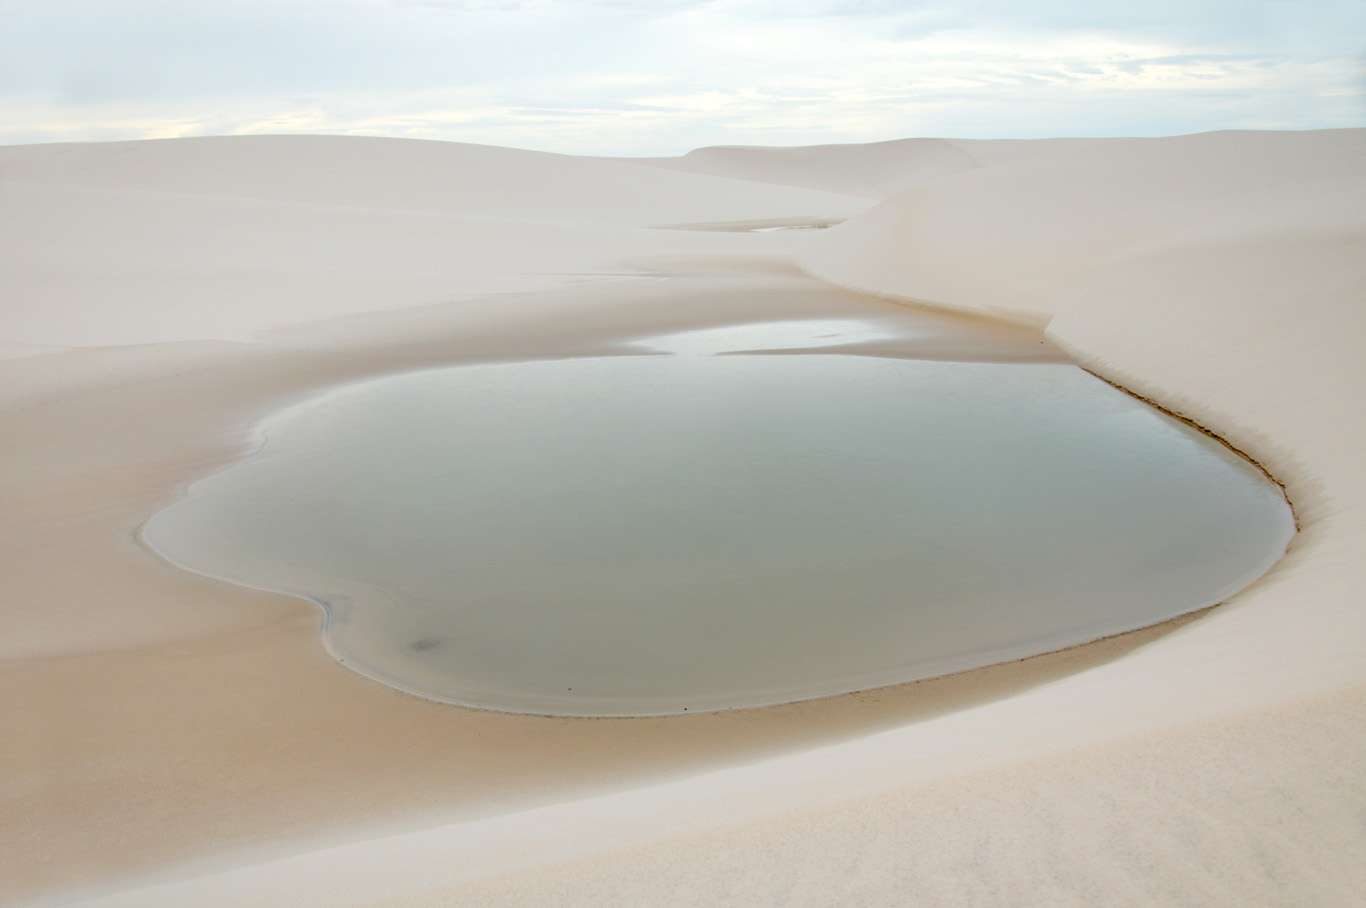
<point x="875" y="170"/>
<point x="408" y="175"/>
<point x="1041" y="225"/>
<point x="217" y="238"/>
<point x="176" y="741"/>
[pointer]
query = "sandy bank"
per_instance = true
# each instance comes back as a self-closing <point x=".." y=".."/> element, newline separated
<point x="202" y="729"/>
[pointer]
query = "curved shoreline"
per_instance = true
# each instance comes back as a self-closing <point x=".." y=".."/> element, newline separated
<point x="857" y="684"/>
<point x="1206" y="430"/>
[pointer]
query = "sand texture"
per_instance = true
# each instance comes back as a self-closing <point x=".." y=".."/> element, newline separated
<point x="173" y="740"/>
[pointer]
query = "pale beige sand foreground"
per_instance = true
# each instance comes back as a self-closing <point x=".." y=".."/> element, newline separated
<point x="166" y="728"/>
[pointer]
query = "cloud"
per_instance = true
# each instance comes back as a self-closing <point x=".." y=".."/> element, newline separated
<point x="612" y="76"/>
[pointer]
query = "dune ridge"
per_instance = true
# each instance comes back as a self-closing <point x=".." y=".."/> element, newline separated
<point x="220" y="238"/>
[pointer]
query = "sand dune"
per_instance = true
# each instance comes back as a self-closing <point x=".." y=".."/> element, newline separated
<point x="145" y="242"/>
<point x="1046" y="222"/>
<point x="410" y="175"/>
<point x="200" y="729"/>
<point x="876" y="170"/>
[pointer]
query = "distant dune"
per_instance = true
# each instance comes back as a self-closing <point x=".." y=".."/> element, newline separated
<point x="872" y="171"/>
<point x="140" y="242"/>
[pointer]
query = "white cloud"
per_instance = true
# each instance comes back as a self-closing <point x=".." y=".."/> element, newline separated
<point x="610" y="76"/>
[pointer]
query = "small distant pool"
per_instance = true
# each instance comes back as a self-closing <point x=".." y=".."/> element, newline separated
<point x="654" y="534"/>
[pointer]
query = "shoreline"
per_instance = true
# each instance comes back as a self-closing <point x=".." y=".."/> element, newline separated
<point x="612" y="346"/>
<point x="1207" y="431"/>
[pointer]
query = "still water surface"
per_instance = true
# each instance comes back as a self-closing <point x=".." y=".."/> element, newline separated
<point x="652" y="534"/>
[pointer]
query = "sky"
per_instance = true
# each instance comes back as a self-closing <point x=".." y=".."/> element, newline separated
<point x="664" y="76"/>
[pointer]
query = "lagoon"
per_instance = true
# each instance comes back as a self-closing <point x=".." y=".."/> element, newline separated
<point x="697" y="528"/>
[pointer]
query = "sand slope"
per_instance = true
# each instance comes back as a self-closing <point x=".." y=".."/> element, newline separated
<point x="202" y="722"/>
<point x="409" y="175"/>
<point x="1043" y="222"/>
<point x="876" y="170"/>
<point x="144" y="242"/>
<point x="201" y="729"/>
<point x="1225" y="275"/>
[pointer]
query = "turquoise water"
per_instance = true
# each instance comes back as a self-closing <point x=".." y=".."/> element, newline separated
<point x="664" y="533"/>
